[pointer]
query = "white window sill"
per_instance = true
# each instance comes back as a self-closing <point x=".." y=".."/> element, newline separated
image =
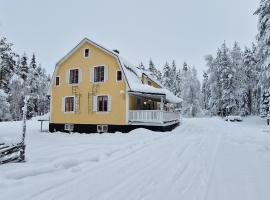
<point x="70" y="112"/>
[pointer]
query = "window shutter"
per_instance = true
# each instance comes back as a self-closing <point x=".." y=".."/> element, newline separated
<point x="106" y="73"/>
<point x="109" y="103"/>
<point x="67" y="76"/>
<point x="76" y="103"/>
<point x="63" y="104"/>
<point x="95" y="103"/>
<point x="80" y="75"/>
<point x="92" y="74"/>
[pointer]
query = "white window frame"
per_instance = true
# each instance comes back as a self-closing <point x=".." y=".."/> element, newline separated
<point x="94" y="73"/>
<point x="69" y="127"/>
<point x="74" y="105"/>
<point x="79" y="78"/>
<point x="59" y="81"/>
<point x="121" y="75"/>
<point x="102" y="128"/>
<point x="84" y="53"/>
<point x="102" y="95"/>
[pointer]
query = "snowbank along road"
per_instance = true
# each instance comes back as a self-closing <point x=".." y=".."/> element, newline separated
<point x="203" y="159"/>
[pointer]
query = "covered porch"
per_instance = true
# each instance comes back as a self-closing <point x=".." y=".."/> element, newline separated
<point x="151" y="109"/>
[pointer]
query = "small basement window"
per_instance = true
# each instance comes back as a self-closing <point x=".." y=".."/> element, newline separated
<point x="57" y="80"/>
<point x="86" y="53"/>
<point x="69" y="127"/>
<point x="119" y="75"/>
<point x="102" y="128"/>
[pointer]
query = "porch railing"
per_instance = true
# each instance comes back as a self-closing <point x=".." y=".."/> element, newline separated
<point x="152" y="116"/>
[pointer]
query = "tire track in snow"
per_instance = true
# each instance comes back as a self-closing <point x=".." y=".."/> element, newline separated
<point x="102" y="165"/>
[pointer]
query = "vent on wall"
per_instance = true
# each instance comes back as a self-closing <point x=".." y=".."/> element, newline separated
<point x="116" y="51"/>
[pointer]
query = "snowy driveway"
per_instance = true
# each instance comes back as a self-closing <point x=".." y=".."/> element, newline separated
<point x="204" y="158"/>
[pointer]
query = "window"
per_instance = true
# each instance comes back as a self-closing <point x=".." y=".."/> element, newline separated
<point x="57" y="80"/>
<point x="86" y="53"/>
<point x="119" y="75"/>
<point x="102" y="103"/>
<point x="149" y="83"/>
<point x="69" y="127"/>
<point x="99" y="74"/>
<point x="69" y="104"/>
<point x="102" y="128"/>
<point x="74" y="76"/>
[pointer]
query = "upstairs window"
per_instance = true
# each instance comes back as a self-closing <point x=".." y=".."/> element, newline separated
<point x="57" y="80"/>
<point x="99" y="74"/>
<point x="149" y="83"/>
<point x="86" y="53"/>
<point x="102" y="103"/>
<point x="74" y="76"/>
<point x="119" y="75"/>
<point x="69" y="104"/>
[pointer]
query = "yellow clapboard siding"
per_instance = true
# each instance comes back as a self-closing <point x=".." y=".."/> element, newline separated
<point x="111" y="87"/>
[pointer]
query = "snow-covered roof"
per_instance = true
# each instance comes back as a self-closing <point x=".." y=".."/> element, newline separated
<point x="133" y="75"/>
<point x="131" y="72"/>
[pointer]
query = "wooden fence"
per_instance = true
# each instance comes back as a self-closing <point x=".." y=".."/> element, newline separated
<point x="12" y="153"/>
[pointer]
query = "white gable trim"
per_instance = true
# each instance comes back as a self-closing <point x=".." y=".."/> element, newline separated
<point x="76" y="48"/>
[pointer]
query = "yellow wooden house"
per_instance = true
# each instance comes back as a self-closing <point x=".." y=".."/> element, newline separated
<point x="93" y="89"/>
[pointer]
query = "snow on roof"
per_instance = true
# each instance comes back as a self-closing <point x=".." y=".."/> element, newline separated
<point x="131" y="72"/>
<point x="133" y="75"/>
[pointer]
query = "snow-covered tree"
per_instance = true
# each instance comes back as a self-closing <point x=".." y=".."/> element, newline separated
<point x="16" y="96"/>
<point x="24" y="67"/>
<point x="178" y="83"/>
<point x="214" y="103"/>
<point x="7" y="63"/>
<point x="263" y="38"/>
<point x="141" y="66"/>
<point x="4" y="106"/>
<point x="190" y="91"/>
<point x="166" y="76"/>
<point x="205" y="92"/>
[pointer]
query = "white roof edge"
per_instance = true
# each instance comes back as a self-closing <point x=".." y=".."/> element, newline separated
<point x="76" y="48"/>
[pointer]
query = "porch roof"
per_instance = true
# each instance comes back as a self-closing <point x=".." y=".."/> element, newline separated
<point x="133" y="75"/>
<point x="147" y="89"/>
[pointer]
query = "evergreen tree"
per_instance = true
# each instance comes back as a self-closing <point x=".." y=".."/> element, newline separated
<point x="227" y="80"/>
<point x="178" y="83"/>
<point x="141" y="66"/>
<point x="205" y="92"/>
<point x="173" y="74"/>
<point x="4" y="106"/>
<point x="190" y="92"/>
<point x="214" y="85"/>
<point x="166" y="78"/>
<point x="7" y="63"/>
<point x="24" y="67"/>
<point x="263" y="38"/>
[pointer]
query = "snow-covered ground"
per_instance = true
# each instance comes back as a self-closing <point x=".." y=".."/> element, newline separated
<point x="204" y="158"/>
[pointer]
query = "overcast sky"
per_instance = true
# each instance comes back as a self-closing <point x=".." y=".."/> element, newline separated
<point x="184" y="30"/>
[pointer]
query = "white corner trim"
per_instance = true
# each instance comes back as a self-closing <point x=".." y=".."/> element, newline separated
<point x="51" y="106"/>
<point x="127" y="106"/>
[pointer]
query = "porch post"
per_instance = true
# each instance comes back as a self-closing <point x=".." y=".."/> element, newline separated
<point x="162" y="104"/>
